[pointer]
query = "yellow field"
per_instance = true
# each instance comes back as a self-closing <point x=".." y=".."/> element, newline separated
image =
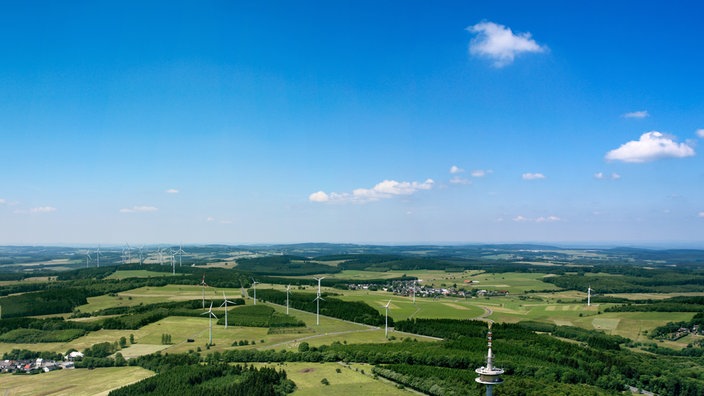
<point x="73" y="382"/>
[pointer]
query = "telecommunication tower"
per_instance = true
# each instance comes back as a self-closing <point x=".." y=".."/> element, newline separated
<point x="489" y="375"/>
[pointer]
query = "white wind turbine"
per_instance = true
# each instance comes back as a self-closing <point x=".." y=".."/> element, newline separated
<point x="88" y="259"/>
<point x="141" y="256"/>
<point x="288" y="292"/>
<point x="211" y="315"/>
<point x="317" y="299"/>
<point x="202" y="283"/>
<point x="180" y="253"/>
<point x="224" y="303"/>
<point x="414" y="292"/>
<point x="161" y="256"/>
<point x="97" y="255"/>
<point x="386" y="326"/>
<point x="173" y="263"/>
<point x="129" y="253"/>
<point x="254" y="285"/>
<point x="589" y="295"/>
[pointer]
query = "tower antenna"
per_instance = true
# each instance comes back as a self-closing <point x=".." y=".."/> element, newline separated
<point x="489" y="375"/>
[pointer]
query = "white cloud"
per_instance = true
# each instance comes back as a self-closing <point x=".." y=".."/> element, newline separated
<point x="637" y="114"/>
<point x="701" y="215"/>
<point x="210" y="219"/>
<point x="139" y="209"/>
<point x="498" y="43"/>
<point x="384" y="190"/>
<point x="2" y="201"/>
<point x="651" y="146"/>
<point x="43" y="209"/>
<point x="533" y="176"/>
<point x="541" y="219"/>
<point x="700" y="133"/>
<point x="172" y="191"/>
<point x="454" y="169"/>
<point x="481" y="172"/>
<point x="602" y="176"/>
<point x="459" y="180"/>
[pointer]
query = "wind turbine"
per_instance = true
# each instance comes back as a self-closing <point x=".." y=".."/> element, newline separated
<point x="173" y="263"/>
<point x="97" y="255"/>
<point x="288" y="292"/>
<point x="202" y="283"/>
<point x="224" y="303"/>
<point x="211" y="315"/>
<point x="386" y="326"/>
<point x="141" y="257"/>
<point x="317" y="299"/>
<point x="129" y="253"/>
<point x="88" y="259"/>
<point x="589" y="295"/>
<point x="254" y="285"/>
<point x="414" y="291"/>
<point x="180" y="253"/>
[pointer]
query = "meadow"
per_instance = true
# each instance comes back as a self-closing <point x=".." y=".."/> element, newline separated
<point x="73" y="382"/>
<point x="191" y="333"/>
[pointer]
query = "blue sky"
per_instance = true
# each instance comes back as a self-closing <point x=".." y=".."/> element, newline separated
<point x="400" y="122"/>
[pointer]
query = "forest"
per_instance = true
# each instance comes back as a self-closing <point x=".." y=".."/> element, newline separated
<point x="536" y="354"/>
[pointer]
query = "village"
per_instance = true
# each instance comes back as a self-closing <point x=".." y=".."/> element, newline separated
<point x="38" y="365"/>
<point x="412" y="289"/>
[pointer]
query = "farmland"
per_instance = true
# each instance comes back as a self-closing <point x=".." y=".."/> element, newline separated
<point x="524" y="292"/>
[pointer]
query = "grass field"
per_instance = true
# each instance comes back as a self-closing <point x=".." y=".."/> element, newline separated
<point x="349" y="381"/>
<point x="137" y="274"/>
<point x="74" y="382"/>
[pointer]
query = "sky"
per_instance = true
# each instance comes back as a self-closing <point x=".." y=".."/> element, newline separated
<point x="396" y="122"/>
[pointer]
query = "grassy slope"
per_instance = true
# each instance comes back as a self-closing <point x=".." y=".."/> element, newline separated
<point x="74" y="382"/>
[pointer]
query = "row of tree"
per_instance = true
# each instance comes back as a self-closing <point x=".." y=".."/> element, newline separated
<point x="354" y="311"/>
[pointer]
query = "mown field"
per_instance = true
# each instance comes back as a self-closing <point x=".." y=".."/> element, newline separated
<point x="73" y="382"/>
<point x="352" y="379"/>
<point x="564" y="308"/>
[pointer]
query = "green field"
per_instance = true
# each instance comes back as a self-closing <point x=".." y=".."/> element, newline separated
<point x="73" y="382"/>
<point x="124" y="274"/>
<point x="349" y="381"/>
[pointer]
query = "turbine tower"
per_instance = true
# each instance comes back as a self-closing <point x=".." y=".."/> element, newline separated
<point x="211" y="315"/>
<point x="288" y="292"/>
<point x="224" y="303"/>
<point x="88" y="259"/>
<point x="589" y="295"/>
<point x="414" y="292"/>
<point x="202" y="283"/>
<point x="317" y="299"/>
<point x="97" y="255"/>
<point x="180" y="253"/>
<point x="386" y="324"/>
<point x="489" y="375"/>
<point x="254" y="285"/>
<point x="173" y="263"/>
